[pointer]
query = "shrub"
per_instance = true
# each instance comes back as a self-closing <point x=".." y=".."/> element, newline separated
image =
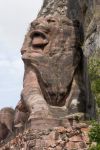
<point x="94" y="135"/>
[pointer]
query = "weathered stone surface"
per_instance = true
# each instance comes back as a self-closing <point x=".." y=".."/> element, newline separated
<point x="57" y="138"/>
<point x="6" y="121"/>
<point x="56" y="81"/>
<point x="21" y="114"/>
<point x="91" y="27"/>
<point x="20" y="118"/>
<point x="3" y="132"/>
<point x="56" y="90"/>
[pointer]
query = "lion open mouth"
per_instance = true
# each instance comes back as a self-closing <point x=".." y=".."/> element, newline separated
<point x="39" y="39"/>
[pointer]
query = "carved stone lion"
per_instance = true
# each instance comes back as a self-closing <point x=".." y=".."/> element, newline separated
<point x="55" y="69"/>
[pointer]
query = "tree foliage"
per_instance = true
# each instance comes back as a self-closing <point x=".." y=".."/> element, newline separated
<point x="94" y="72"/>
<point x="94" y="133"/>
<point x="94" y="136"/>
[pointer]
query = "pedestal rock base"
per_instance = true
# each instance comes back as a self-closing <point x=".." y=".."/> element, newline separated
<point x="69" y="134"/>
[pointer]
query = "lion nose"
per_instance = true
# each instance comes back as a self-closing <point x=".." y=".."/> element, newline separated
<point x="24" y="50"/>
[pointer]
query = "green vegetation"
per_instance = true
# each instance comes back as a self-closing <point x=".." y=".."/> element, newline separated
<point x="94" y="136"/>
<point x="94" y="133"/>
<point x="94" y="71"/>
<point x="97" y="147"/>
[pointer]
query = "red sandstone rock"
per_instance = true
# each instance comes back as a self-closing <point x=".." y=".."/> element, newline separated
<point x="60" y="129"/>
<point x="6" y="122"/>
<point x="55" y="78"/>
<point x="76" y="138"/>
<point x="58" y="148"/>
<point x="85" y="136"/>
<point x="69" y="129"/>
<point x="71" y="145"/>
<point x="20" y="118"/>
<point x="39" y="139"/>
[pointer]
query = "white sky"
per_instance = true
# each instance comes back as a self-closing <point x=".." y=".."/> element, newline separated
<point x="15" y="16"/>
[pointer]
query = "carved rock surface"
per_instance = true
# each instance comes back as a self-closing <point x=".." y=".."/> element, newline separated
<point x="58" y="138"/>
<point x="20" y="118"/>
<point x="55" y="67"/>
<point x="56" y="80"/>
<point x="3" y="131"/>
<point x="21" y="114"/>
<point x="6" y="121"/>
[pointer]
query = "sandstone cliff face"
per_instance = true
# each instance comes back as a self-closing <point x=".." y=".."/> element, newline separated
<point x="92" y="47"/>
<point x="73" y="136"/>
<point x="92" y="27"/>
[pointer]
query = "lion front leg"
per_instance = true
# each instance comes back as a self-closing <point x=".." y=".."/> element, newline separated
<point x="33" y="96"/>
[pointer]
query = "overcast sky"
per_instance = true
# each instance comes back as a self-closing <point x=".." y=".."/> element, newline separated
<point x="15" y="16"/>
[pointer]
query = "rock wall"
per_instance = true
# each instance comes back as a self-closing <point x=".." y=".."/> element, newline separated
<point x="92" y="27"/>
<point x="75" y="136"/>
